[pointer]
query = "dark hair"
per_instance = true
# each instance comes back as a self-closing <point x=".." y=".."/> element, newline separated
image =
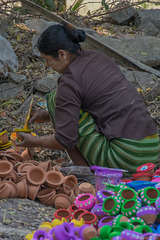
<point x="57" y="37"/>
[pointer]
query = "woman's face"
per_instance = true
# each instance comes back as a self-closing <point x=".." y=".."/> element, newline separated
<point x="60" y="63"/>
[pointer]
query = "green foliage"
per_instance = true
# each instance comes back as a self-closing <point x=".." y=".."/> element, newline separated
<point x="105" y="5"/>
<point x="77" y="5"/>
<point x="51" y="5"/>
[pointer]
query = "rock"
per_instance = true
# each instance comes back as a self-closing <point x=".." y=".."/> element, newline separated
<point x="17" y="78"/>
<point x="24" y="107"/>
<point x="138" y="47"/>
<point x="47" y="84"/>
<point x="8" y="90"/>
<point x="141" y="79"/>
<point x="148" y="29"/>
<point x="121" y="17"/>
<point x="152" y="15"/>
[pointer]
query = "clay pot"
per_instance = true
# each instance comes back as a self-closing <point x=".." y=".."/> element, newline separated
<point x="62" y="213"/>
<point x="86" y="188"/>
<point x="26" y="155"/>
<point x="54" y="179"/>
<point x="89" y="218"/>
<point x="36" y="175"/>
<point x="62" y="201"/>
<point x="21" y="176"/>
<point x="4" y="137"/>
<point x="45" y="194"/>
<point x="14" y="154"/>
<point x="32" y="191"/>
<point x="22" y="189"/>
<point x="142" y="176"/>
<point x="87" y="232"/>
<point x="72" y="208"/>
<point x="4" y="190"/>
<point x="77" y="213"/>
<point x="55" y="168"/>
<point x="70" y="183"/>
<point x="5" y="168"/>
<point x="50" y="200"/>
<point x="47" y="166"/>
<point x="148" y="214"/>
<point x="12" y="188"/>
<point x="12" y="176"/>
<point x="146" y="168"/>
<point x="34" y="162"/>
<point x="8" y="156"/>
<point x="24" y="167"/>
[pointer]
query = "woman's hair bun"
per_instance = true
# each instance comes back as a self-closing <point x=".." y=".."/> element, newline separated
<point x="76" y="35"/>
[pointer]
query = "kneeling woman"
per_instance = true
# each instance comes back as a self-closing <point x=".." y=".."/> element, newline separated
<point x="98" y="116"/>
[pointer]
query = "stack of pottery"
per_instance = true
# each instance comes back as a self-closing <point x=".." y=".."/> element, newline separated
<point x="4" y="140"/>
<point x="144" y="172"/>
<point x="36" y="180"/>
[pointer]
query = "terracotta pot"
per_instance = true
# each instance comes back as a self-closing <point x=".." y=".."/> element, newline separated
<point x="4" y="137"/>
<point x="146" y="168"/>
<point x="77" y="213"/>
<point x="8" y="156"/>
<point x="44" y="194"/>
<point x="86" y="188"/>
<point x="14" y="154"/>
<point x="70" y="183"/>
<point x="22" y="189"/>
<point x="50" y="200"/>
<point x="55" y="168"/>
<point x="24" y="167"/>
<point x="62" y="201"/>
<point x="142" y="176"/>
<point x="34" y="162"/>
<point x="47" y="166"/>
<point x="13" y="176"/>
<point x="26" y="155"/>
<point x="89" y="218"/>
<point x="72" y="208"/>
<point x="62" y="213"/>
<point x="54" y="179"/>
<point x="13" y="188"/>
<point x="5" y="168"/>
<point x="32" y="191"/>
<point x="36" y="175"/>
<point x="148" y="214"/>
<point x="4" y="190"/>
<point x="87" y="232"/>
<point x="21" y="176"/>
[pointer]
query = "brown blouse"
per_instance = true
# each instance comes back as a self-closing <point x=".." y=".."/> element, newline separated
<point x="94" y="83"/>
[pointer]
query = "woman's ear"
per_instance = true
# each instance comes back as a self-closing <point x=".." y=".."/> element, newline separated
<point x="62" y="55"/>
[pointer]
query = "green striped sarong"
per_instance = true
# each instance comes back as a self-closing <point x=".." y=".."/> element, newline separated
<point x="118" y="153"/>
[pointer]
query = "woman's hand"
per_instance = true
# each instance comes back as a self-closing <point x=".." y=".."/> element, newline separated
<point x="39" y="116"/>
<point x="47" y="142"/>
<point x="28" y="140"/>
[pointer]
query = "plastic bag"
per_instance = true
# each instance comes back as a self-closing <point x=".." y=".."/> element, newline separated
<point x="7" y="57"/>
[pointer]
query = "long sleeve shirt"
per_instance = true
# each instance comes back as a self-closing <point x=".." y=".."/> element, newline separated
<point x="94" y="83"/>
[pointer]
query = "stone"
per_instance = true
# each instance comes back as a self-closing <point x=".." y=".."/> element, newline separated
<point x="122" y="16"/>
<point x="8" y="90"/>
<point x="47" y="84"/>
<point x="17" y="78"/>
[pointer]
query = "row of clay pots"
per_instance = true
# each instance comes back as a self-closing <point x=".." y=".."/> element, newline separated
<point x="38" y="180"/>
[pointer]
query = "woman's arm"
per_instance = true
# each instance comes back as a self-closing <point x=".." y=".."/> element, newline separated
<point x="46" y="142"/>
